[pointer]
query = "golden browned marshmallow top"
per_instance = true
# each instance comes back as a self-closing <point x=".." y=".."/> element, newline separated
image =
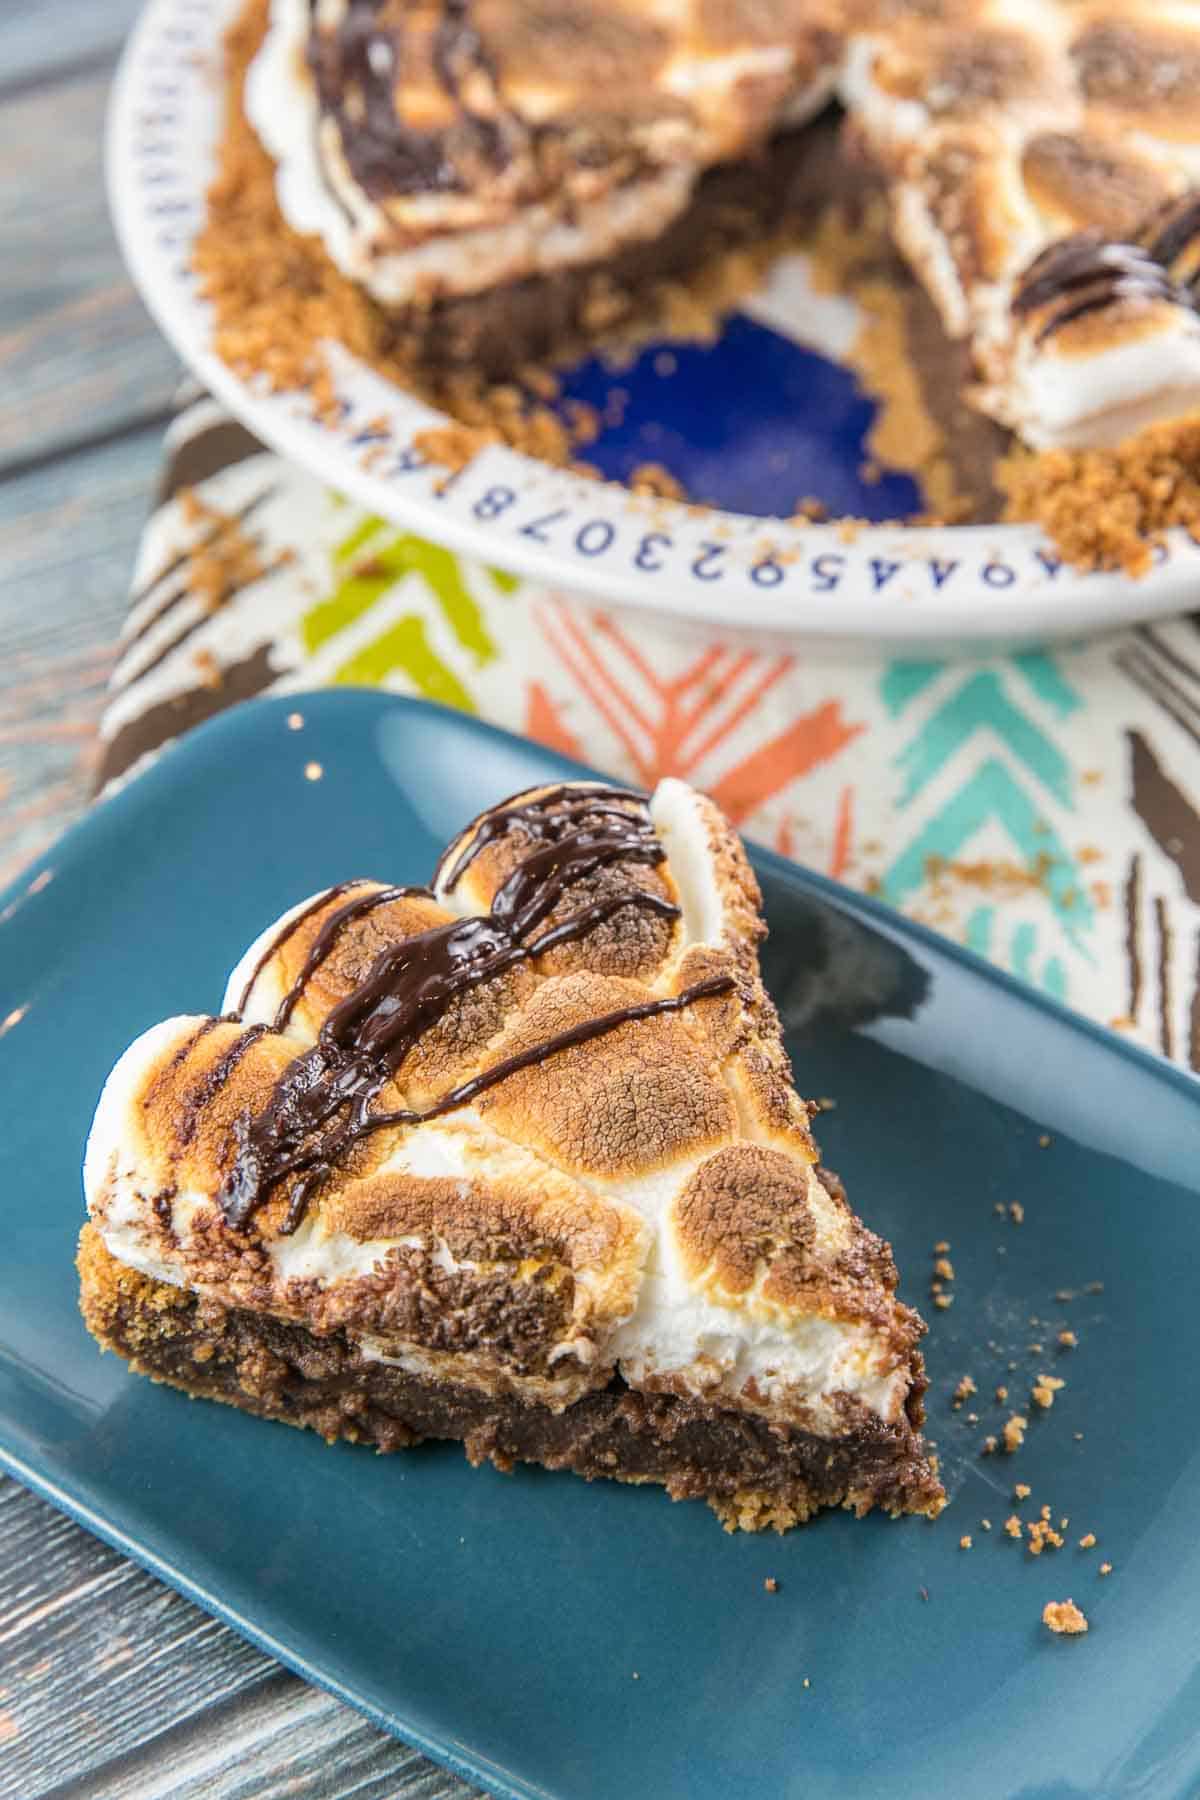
<point x="508" y="1162"/>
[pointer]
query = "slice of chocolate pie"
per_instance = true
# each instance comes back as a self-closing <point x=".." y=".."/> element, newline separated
<point x="515" y="1159"/>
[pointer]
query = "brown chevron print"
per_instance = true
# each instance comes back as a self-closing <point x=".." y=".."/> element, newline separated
<point x="1174" y="824"/>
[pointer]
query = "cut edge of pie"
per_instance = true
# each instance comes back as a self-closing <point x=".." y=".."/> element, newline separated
<point x="593" y="1232"/>
<point x="476" y="166"/>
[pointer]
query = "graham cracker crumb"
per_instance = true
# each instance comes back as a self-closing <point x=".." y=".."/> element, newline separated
<point x="1063" y="1617"/>
<point x="454" y="446"/>
<point x="207" y="668"/>
<point x="225" y="560"/>
<point x="1022" y="1491"/>
<point x="964" y="1390"/>
<point x="997" y="876"/>
<point x="1045" y="1389"/>
<point x="771" y="1585"/>
<point x="1106" y="1568"/>
<point x="944" y="1267"/>
<point x="990" y="1446"/>
<point x="1068" y="1340"/>
<point x="1042" y="1535"/>
<point x="964" y="1542"/>
<point x="942" y="1248"/>
<point x="1012" y="1526"/>
<point x="1001" y="1394"/>
<point x="1109" y="509"/>
<point x="1088" y="1541"/>
<point x="657" y="481"/>
<point x="542" y="382"/>
<point x="943" y="1300"/>
<point x="985" y="1524"/>
<point x="1016" y="1212"/>
<point x="1014" y="1432"/>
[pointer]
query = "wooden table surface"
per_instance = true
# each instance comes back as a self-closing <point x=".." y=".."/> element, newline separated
<point x="111" y="1686"/>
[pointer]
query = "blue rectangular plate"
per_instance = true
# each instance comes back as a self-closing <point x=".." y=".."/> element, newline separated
<point x="497" y="1622"/>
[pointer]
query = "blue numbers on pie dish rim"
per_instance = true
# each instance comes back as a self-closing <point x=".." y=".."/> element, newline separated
<point x="653" y="550"/>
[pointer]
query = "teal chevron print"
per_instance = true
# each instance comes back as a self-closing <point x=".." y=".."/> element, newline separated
<point x="986" y="751"/>
<point x="981" y="703"/>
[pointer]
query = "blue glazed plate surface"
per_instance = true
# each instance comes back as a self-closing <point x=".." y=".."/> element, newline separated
<point x="498" y="1622"/>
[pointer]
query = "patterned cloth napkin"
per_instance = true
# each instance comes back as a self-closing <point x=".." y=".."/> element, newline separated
<point x="1042" y="808"/>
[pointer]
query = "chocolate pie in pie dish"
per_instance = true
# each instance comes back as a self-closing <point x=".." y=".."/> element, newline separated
<point x="515" y="1159"/>
<point x="498" y="176"/>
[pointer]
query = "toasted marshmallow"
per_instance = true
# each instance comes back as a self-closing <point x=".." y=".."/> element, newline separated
<point x="523" y="163"/>
<point x="434" y="162"/>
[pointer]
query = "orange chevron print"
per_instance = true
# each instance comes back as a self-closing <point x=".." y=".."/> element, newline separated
<point x="843" y="835"/>
<point x="544" y="722"/>
<point x="686" y="724"/>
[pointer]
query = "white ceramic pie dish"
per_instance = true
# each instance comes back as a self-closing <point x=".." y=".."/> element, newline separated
<point x="883" y="585"/>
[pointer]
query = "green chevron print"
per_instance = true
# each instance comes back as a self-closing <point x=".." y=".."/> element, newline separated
<point x="373" y="561"/>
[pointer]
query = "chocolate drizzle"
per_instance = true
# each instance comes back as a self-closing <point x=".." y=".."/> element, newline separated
<point x="357" y="69"/>
<point x="326" y="939"/>
<point x="213" y="1081"/>
<point x="288" y="931"/>
<point x="184" y="1050"/>
<point x="1085" y="273"/>
<point x="320" y="1106"/>
<point x="1172" y="238"/>
<point x="547" y="815"/>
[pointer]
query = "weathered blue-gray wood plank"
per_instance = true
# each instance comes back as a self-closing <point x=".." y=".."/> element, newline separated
<point x="114" y="1688"/>
<point x="68" y="533"/>
<point x="78" y="356"/>
<point x="95" y="1654"/>
<point x="41" y="38"/>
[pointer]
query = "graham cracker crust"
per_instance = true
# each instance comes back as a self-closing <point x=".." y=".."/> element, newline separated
<point x="753" y="1474"/>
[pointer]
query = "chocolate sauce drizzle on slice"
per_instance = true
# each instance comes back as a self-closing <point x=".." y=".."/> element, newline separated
<point x="1172" y="238"/>
<point x="285" y="933"/>
<point x="184" y="1050"/>
<point x="491" y="1077"/>
<point x="326" y="939"/>
<point x="1085" y="273"/>
<point x="212" y="1081"/>
<point x="358" y="69"/>
<point x="548" y="814"/>
<point x="320" y="1107"/>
